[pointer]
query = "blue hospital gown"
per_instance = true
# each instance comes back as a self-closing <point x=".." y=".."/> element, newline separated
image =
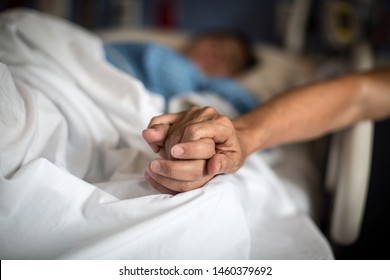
<point x="170" y="74"/>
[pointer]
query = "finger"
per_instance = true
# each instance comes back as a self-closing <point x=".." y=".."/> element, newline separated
<point x="161" y="182"/>
<point x="214" y="166"/>
<point x="182" y="170"/>
<point x="156" y="133"/>
<point x="219" y="132"/>
<point x="199" y="149"/>
<point x="151" y="136"/>
<point x="155" y="136"/>
<point x="223" y="164"/>
<point x="164" y="119"/>
<point x="160" y="188"/>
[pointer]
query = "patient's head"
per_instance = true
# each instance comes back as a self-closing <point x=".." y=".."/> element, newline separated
<point x="221" y="53"/>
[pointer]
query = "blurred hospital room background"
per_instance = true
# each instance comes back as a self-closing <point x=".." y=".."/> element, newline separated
<point x="331" y="26"/>
<point x="306" y="40"/>
<point x="328" y="37"/>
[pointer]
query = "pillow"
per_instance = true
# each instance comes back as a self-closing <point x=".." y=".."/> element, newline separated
<point x="173" y="39"/>
<point x="276" y="72"/>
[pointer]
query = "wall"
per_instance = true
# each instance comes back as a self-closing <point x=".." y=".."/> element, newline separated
<point x="254" y="17"/>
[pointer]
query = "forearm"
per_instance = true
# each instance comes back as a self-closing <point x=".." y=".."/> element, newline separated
<point x="315" y="110"/>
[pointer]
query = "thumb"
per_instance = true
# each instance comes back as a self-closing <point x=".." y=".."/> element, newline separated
<point x="155" y="136"/>
<point x="223" y="163"/>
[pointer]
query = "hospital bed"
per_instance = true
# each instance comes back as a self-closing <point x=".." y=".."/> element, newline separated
<point x="348" y="156"/>
<point x="348" y="165"/>
<point x="72" y="159"/>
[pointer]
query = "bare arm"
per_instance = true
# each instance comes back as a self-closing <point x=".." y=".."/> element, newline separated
<point x="317" y="109"/>
<point x="301" y="114"/>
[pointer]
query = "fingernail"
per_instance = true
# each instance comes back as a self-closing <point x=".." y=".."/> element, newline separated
<point x="215" y="170"/>
<point x="177" y="151"/>
<point x="219" y="167"/>
<point x="155" y="166"/>
<point x="155" y="147"/>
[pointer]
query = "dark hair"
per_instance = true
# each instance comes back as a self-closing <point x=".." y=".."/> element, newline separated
<point x="250" y="59"/>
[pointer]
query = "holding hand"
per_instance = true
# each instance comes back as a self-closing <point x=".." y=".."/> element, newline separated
<point x="195" y="146"/>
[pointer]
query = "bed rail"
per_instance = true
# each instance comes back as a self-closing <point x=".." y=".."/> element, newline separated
<point x="349" y="168"/>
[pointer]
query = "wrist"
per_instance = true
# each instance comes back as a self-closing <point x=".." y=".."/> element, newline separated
<point x="251" y="137"/>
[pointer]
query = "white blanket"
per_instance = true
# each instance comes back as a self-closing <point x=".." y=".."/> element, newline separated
<point x="72" y="160"/>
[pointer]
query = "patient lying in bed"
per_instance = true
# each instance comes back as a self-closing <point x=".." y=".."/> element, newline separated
<point x="205" y="66"/>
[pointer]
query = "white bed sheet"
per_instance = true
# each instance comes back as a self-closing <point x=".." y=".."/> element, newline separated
<point x="72" y="160"/>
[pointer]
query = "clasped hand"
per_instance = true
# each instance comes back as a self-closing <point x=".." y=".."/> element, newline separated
<point x="194" y="146"/>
